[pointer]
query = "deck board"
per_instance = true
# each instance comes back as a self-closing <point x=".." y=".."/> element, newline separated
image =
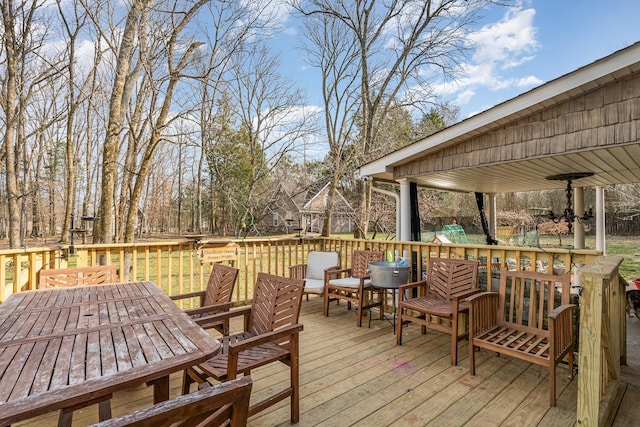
<point x="358" y="376"/>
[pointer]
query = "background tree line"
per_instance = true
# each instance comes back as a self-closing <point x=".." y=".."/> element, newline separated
<point x="170" y="116"/>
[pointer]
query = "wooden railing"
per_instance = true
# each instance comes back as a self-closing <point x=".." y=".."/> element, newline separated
<point x="602" y="341"/>
<point x="176" y="267"/>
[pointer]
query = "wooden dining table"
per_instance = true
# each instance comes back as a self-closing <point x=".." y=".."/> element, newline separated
<point x="68" y="347"/>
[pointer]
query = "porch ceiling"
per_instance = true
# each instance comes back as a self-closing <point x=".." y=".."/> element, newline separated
<point x="494" y="150"/>
<point x="615" y="165"/>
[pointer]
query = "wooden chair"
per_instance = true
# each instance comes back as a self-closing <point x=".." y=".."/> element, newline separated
<point x="441" y="300"/>
<point x="79" y="276"/>
<point x="528" y="319"/>
<point x="353" y="284"/>
<point x="314" y="271"/>
<point x="270" y="335"/>
<point x="223" y="404"/>
<point x="215" y="299"/>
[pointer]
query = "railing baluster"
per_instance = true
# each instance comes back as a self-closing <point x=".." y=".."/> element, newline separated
<point x="268" y="255"/>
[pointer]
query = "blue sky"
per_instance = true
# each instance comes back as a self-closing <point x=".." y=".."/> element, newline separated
<point x="519" y="49"/>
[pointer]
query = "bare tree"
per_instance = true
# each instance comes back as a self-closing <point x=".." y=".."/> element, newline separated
<point x="73" y="18"/>
<point x="178" y="54"/>
<point x="152" y="36"/>
<point x="272" y="114"/>
<point x="225" y="36"/>
<point x="23" y="35"/>
<point x="398" y="45"/>
<point x="335" y="56"/>
<point x="43" y="159"/>
<point x="137" y="11"/>
<point x="626" y="201"/>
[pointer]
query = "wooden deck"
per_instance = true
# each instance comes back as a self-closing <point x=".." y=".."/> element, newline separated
<point x="358" y="376"/>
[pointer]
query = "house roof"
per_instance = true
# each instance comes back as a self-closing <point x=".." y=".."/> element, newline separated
<point x="585" y="121"/>
<point x="317" y="200"/>
<point x="314" y="199"/>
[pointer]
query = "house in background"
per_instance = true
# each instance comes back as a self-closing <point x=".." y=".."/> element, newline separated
<point x="282" y="212"/>
<point x="304" y="209"/>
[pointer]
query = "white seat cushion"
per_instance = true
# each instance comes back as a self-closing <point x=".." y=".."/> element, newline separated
<point x="349" y="282"/>
<point x="318" y="262"/>
<point x="313" y="286"/>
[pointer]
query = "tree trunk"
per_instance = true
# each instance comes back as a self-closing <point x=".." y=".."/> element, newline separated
<point x="70" y="185"/>
<point x="104" y="231"/>
<point x="10" y="133"/>
<point x="328" y="213"/>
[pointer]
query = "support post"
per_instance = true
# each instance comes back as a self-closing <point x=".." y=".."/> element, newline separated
<point x="600" y="221"/>
<point x="493" y="220"/>
<point x="405" y="211"/>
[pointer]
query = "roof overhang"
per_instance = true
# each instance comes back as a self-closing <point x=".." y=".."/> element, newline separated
<point x="614" y="163"/>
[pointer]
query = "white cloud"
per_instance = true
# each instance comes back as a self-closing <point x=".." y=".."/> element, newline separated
<point x="500" y="48"/>
<point x="507" y="39"/>
<point x="528" y="81"/>
<point x="464" y="97"/>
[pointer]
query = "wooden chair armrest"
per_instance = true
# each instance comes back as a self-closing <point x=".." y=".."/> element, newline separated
<point x="560" y="311"/>
<point x="268" y="337"/>
<point x="481" y="296"/>
<point x="483" y="312"/>
<point x="413" y="285"/>
<point x="465" y="294"/>
<point x="210" y="309"/>
<point x="332" y="274"/>
<point x="297" y="266"/>
<point x="244" y="311"/>
<point x="298" y="271"/>
<point x="188" y="295"/>
<point x="561" y="331"/>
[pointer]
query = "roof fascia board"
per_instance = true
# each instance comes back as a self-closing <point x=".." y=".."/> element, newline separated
<point x="608" y="66"/>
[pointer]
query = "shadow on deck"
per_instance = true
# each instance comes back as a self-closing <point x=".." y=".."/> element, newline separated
<point x="358" y="376"/>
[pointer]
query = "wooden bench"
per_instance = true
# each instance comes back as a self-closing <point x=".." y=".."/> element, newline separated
<point x="79" y="276"/>
<point x="530" y="318"/>
<point x="441" y="300"/>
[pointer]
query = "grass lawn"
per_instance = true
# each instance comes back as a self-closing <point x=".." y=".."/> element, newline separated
<point x="626" y="246"/>
<point x="629" y="248"/>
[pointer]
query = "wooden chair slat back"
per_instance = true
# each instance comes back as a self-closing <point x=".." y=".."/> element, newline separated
<point x="79" y="276"/>
<point x="223" y="404"/>
<point x="221" y="283"/>
<point x="360" y="262"/>
<point x="447" y="277"/>
<point x="276" y="303"/>
<point x="527" y="297"/>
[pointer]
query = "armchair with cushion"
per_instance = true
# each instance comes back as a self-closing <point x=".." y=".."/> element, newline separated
<point x="351" y="284"/>
<point x="314" y="271"/>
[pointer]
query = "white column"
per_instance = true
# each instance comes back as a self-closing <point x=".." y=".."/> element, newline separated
<point x="493" y="221"/>
<point x="600" y="221"/>
<point x="578" y="208"/>
<point x="405" y="211"/>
